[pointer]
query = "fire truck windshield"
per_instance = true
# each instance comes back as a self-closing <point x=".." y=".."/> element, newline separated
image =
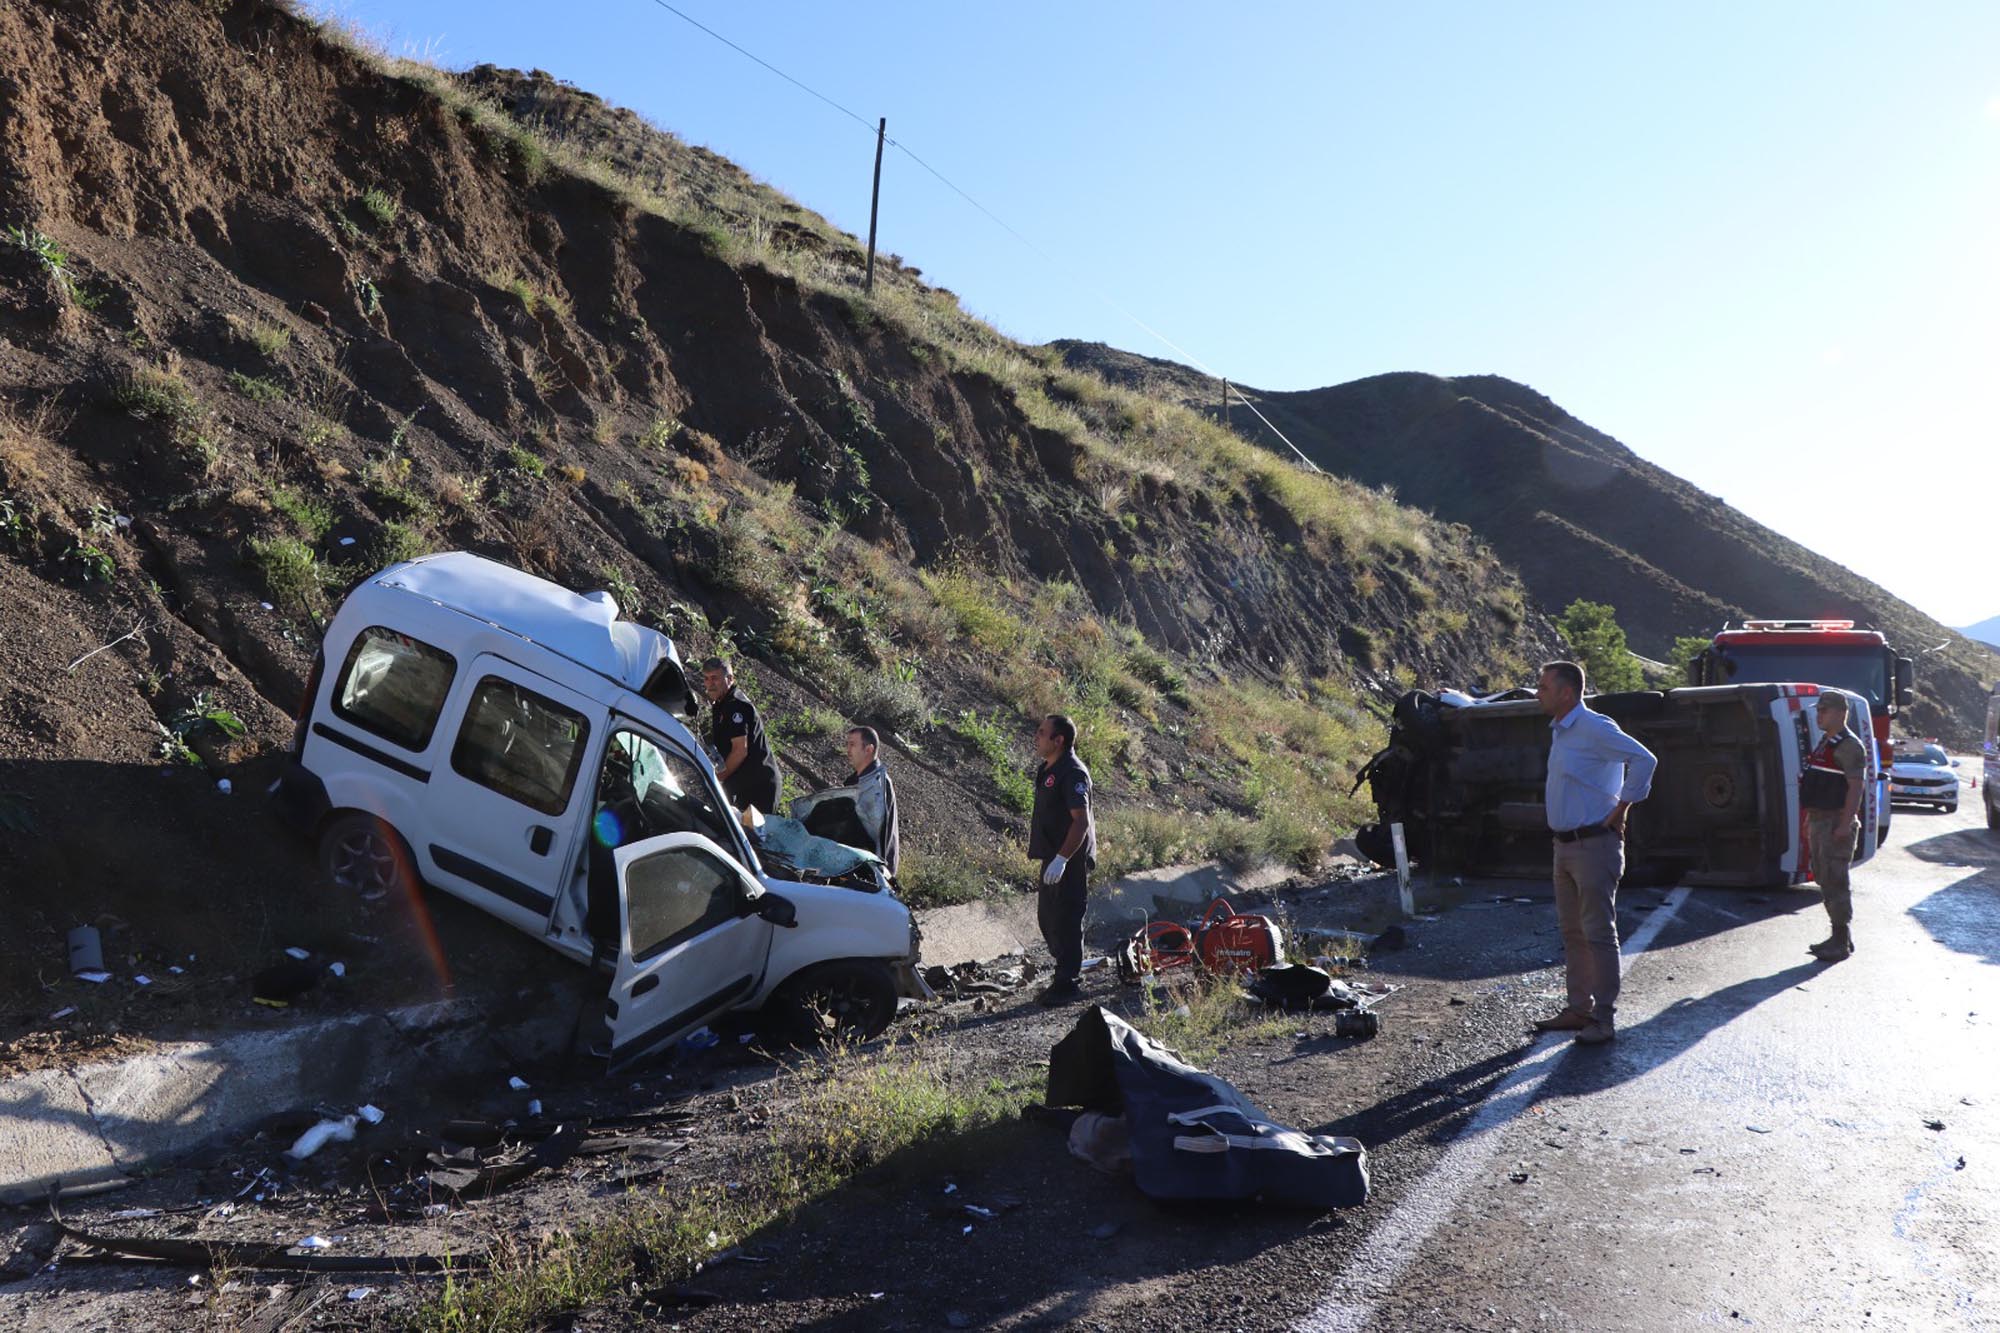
<point x="1862" y="669"/>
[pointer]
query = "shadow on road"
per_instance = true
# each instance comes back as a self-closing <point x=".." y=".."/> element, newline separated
<point x="1962" y="847"/>
<point x="1441" y="1107"/>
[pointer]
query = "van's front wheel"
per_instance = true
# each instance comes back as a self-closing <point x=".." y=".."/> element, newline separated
<point x="851" y="999"/>
<point x="362" y="855"/>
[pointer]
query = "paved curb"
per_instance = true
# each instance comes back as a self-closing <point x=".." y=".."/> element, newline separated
<point x="98" y="1125"/>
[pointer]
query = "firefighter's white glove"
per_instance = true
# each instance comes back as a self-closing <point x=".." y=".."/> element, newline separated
<point x="1052" y="873"/>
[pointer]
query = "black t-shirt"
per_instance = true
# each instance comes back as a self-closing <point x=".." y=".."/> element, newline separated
<point x="1060" y="788"/>
<point x="756" y="779"/>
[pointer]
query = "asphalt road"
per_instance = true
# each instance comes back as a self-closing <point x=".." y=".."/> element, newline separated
<point x="1771" y="1141"/>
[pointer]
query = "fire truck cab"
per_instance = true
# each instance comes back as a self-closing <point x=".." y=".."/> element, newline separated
<point x="1829" y="653"/>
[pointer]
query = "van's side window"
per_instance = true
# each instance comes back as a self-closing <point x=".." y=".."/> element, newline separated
<point x="675" y="895"/>
<point x="521" y="745"/>
<point x="394" y="686"/>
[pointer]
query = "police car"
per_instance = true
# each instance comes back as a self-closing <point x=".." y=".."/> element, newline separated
<point x="520" y="746"/>
<point x="1924" y="774"/>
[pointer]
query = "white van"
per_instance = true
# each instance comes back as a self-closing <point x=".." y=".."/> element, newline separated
<point x="476" y="728"/>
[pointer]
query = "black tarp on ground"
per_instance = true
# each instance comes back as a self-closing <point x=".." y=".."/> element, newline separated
<point x="1193" y="1135"/>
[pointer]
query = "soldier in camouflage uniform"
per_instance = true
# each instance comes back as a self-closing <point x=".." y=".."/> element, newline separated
<point x="1830" y="792"/>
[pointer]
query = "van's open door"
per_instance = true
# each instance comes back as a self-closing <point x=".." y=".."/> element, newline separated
<point x="691" y="942"/>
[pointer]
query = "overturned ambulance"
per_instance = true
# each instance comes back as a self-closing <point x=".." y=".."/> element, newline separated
<point x="1464" y="777"/>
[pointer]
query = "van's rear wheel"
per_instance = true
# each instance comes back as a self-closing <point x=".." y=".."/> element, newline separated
<point x="851" y="999"/>
<point x="362" y="855"/>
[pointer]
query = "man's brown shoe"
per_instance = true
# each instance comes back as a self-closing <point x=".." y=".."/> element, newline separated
<point x="1596" y="1034"/>
<point x="1569" y="1020"/>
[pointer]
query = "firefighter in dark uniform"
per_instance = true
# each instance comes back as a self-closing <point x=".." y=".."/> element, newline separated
<point x="749" y="771"/>
<point x="1830" y="792"/>
<point x="1063" y="837"/>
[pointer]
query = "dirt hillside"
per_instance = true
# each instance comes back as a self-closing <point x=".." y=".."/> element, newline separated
<point x="1581" y="515"/>
<point x="276" y="310"/>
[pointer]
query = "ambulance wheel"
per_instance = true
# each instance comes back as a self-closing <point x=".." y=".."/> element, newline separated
<point x="362" y="855"/>
<point x="850" y="999"/>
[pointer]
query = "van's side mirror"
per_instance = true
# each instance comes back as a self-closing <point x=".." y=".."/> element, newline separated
<point x="1906" y="682"/>
<point x="778" y="911"/>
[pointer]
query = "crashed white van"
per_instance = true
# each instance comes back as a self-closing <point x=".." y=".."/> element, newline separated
<point x="487" y="732"/>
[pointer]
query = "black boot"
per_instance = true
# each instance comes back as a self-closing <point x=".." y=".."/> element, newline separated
<point x="1838" y="945"/>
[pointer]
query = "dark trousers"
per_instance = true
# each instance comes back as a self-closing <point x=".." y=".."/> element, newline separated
<point x="1059" y="909"/>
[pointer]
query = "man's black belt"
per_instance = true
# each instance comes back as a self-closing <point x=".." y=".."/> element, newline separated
<point x="1579" y="834"/>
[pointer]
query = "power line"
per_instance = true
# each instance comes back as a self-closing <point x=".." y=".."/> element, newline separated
<point x="998" y="221"/>
<point x="859" y="119"/>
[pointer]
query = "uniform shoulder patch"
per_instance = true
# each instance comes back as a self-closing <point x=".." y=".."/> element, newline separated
<point x="1082" y="787"/>
<point x="736" y="717"/>
<point x="1049" y="781"/>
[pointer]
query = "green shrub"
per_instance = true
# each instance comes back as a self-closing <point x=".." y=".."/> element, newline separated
<point x="156" y="395"/>
<point x="293" y="575"/>
<point x="313" y="516"/>
<point x="1599" y="644"/>
<point x="381" y="206"/>
<point x="396" y="542"/>
<point x="1002" y="752"/>
<point x="255" y="388"/>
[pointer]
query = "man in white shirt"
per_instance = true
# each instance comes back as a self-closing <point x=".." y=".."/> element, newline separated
<point x="1596" y="774"/>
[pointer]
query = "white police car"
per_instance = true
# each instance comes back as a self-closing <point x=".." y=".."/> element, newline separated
<point x="1924" y="774"/>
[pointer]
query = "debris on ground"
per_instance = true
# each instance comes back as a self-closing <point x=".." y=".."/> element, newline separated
<point x="321" y="1134"/>
<point x="1000" y="977"/>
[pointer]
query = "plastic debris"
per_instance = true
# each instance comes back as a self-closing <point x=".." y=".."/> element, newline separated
<point x="86" y="950"/>
<point x="62" y="1013"/>
<point x="318" y="1242"/>
<point x="176" y="969"/>
<point x="1758" y="1129"/>
<point x="338" y="969"/>
<point x="224" y="786"/>
<point x="266" y="606"/>
<point x="370" y="1113"/>
<point x="94" y="978"/>
<point x="326" y="1131"/>
<point x="142" y="980"/>
<point x="534" y="1106"/>
<point x="983" y="1214"/>
<point x="347" y="541"/>
<point x="360" y="1293"/>
<point x="298" y="953"/>
<point x="517" y="1083"/>
<point x="951" y="1189"/>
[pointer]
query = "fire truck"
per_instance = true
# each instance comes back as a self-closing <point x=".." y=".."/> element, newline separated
<point x="1829" y="653"/>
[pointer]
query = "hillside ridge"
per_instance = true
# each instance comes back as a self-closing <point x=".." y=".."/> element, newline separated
<point x="1580" y="515"/>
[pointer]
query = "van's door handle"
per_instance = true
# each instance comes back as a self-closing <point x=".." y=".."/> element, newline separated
<point x="540" y="837"/>
<point x="650" y="981"/>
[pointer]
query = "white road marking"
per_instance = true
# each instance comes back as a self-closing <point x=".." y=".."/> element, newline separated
<point x="1393" y="1245"/>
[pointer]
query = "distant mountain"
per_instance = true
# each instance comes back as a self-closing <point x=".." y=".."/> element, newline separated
<point x="1577" y="513"/>
<point x="1986" y="631"/>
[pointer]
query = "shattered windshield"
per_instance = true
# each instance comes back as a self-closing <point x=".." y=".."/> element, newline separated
<point x="1863" y="670"/>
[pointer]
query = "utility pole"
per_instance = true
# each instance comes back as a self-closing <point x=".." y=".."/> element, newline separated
<point x="875" y="203"/>
<point x="1225" y="402"/>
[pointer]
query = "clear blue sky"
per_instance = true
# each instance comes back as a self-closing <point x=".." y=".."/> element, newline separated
<point x="1758" y="243"/>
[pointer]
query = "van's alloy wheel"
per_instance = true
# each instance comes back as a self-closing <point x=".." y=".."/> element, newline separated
<point x="360" y="854"/>
<point x="851" y="998"/>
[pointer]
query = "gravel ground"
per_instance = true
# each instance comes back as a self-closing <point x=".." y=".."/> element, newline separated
<point x="1066" y="1247"/>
